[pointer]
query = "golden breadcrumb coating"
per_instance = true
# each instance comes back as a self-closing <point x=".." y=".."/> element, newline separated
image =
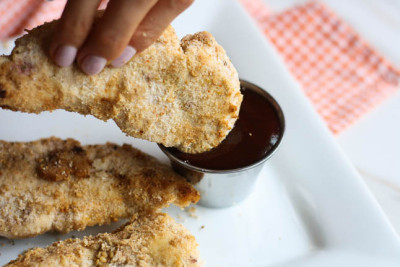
<point x="59" y="185"/>
<point x="152" y="239"/>
<point x="184" y="93"/>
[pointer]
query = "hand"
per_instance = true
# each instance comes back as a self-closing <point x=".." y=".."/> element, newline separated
<point x="126" y="28"/>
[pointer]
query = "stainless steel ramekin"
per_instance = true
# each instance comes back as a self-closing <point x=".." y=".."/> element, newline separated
<point x="224" y="188"/>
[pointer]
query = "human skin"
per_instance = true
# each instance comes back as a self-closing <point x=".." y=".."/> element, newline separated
<point x="127" y="27"/>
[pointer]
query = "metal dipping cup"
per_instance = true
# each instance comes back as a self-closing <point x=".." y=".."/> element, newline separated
<point x="225" y="188"/>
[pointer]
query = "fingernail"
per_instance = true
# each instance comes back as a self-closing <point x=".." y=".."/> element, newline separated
<point x="65" y="55"/>
<point x="128" y="53"/>
<point x="93" y="64"/>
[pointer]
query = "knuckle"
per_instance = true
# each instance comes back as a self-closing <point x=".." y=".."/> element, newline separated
<point x="76" y="30"/>
<point x="141" y="43"/>
<point x="178" y="4"/>
<point x="182" y="3"/>
<point x="145" y="2"/>
<point x="110" y="44"/>
<point x="143" y="38"/>
<point x="109" y="40"/>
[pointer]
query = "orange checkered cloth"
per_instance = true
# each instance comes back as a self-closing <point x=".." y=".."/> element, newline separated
<point x="339" y="72"/>
<point x="17" y="15"/>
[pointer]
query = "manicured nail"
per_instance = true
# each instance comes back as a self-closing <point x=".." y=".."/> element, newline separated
<point x="128" y="53"/>
<point x="93" y="64"/>
<point x="65" y="55"/>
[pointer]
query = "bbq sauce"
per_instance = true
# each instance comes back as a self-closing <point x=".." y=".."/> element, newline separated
<point x="254" y="135"/>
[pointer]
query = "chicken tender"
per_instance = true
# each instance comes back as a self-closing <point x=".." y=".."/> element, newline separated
<point x="59" y="185"/>
<point x="183" y="94"/>
<point x="148" y="240"/>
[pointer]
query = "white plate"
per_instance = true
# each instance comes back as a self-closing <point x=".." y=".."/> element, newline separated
<point x="309" y="208"/>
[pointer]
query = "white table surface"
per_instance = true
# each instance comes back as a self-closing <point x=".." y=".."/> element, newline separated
<point x="373" y="143"/>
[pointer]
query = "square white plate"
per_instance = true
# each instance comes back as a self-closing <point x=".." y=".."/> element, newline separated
<point x="309" y="208"/>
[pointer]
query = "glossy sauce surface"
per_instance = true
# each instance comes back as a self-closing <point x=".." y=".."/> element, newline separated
<point x="255" y="133"/>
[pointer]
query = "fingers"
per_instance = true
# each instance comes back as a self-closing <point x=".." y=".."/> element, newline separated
<point x="155" y="22"/>
<point x="111" y="34"/>
<point x="72" y="29"/>
<point x="127" y="26"/>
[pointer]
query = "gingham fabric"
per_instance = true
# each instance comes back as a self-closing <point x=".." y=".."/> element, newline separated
<point x="17" y="15"/>
<point x="340" y="73"/>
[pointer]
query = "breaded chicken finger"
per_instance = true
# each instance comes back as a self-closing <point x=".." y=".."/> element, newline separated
<point x="184" y="93"/>
<point x="56" y="185"/>
<point x="148" y="240"/>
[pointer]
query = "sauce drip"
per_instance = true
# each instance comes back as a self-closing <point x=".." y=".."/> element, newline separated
<point x="255" y="133"/>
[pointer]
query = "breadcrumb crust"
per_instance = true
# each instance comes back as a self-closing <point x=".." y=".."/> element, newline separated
<point x="184" y="94"/>
<point x="150" y="239"/>
<point x="116" y="182"/>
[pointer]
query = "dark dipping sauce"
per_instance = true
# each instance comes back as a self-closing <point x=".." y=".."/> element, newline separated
<point x="255" y="133"/>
